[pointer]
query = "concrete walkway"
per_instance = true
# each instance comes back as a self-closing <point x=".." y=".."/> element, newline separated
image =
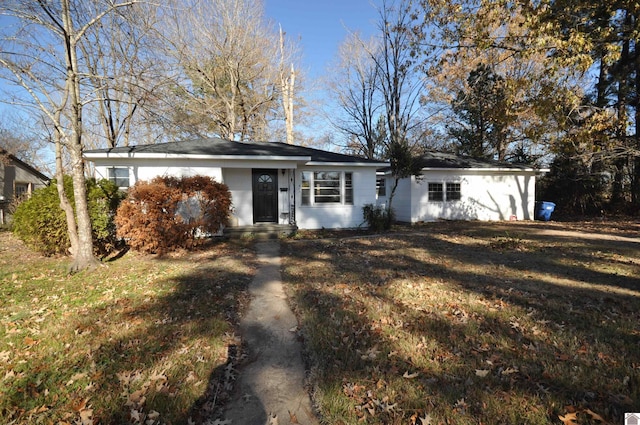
<point x="270" y="387"/>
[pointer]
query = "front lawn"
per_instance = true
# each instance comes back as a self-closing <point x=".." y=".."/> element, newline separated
<point x="472" y="323"/>
<point x="141" y="340"/>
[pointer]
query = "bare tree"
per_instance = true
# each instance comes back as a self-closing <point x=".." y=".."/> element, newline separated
<point x="287" y="86"/>
<point x="125" y="74"/>
<point x="229" y="60"/>
<point x="18" y="139"/>
<point x="400" y="87"/>
<point x="42" y="55"/>
<point x="355" y="86"/>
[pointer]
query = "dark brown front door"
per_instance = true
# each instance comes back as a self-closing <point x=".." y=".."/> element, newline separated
<point x="265" y="196"/>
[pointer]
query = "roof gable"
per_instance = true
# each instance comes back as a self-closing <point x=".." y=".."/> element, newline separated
<point x="18" y="162"/>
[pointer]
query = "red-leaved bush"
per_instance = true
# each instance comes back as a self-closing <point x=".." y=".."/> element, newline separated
<point x="170" y="213"/>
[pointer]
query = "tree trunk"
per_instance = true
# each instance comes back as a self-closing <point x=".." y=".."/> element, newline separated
<point x="287" y="83"/>
<point x="65" y="205"/>
<point x="83" y="257"/>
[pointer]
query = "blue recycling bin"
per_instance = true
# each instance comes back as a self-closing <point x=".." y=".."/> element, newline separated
<point x="544" y="210"/>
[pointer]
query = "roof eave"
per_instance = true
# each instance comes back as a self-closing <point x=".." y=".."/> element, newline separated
<point x="495" y="169"/>
<point x="142" y="155"/>
<point x="346" y="163"/>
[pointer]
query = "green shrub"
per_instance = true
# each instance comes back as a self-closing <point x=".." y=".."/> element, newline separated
<point x="170" y="213"/>
<point x="377" y="217"/>
<point x="41" y="224"/>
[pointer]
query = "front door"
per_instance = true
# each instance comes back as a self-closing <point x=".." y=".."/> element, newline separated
<point x="265" y="196"/>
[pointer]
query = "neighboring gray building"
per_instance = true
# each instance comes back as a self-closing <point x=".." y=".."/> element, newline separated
<point x="17" y="178"/>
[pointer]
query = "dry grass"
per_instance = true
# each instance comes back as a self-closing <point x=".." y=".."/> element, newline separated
<point x="472" y="323"/>
<point x="142" y="340"/>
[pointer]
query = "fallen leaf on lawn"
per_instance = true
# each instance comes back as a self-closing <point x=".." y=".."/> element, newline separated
<point x="86" y="417"/>
<point x="136" y="399"/>
<point x="293" y="418"/>
<point x="569" y="419"/>
<point x="408" y="375"/>
<point x="76" y="377"/>
<point x="482" y="372"/>
<point x="38" y="410"/>
<point x="426" y="420"/>
<point x="510" y="370"/>
<point x="80" y="405"/>
<point x="594" y="415"/>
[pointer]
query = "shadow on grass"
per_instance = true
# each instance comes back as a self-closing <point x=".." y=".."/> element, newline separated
<point x="159" y="349"/>
<point x="494" y="336"/>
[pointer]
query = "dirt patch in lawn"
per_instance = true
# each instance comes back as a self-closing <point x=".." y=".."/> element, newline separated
<point x="468" y="322"/>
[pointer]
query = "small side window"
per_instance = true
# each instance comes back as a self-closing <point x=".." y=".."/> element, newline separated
<point x="381" y="186"/>
<point x="435" y="192"/>
<point x="21" y="190"/>
<point x="119" y="176"/>
<point x="453" y="192"/>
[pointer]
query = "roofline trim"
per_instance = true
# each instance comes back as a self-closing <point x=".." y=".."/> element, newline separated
<point x="142" y="155"/>
<point x="356" y="164"/>
<point x="475" y="169"/>
<point x="483" y="169"/>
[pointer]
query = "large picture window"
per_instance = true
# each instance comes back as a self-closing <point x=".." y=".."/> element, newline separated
<point x="327" y="187"/>
<point x="119" y="176"/>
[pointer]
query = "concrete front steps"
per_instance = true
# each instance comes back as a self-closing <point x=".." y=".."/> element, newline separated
<point x="261" y="231"/>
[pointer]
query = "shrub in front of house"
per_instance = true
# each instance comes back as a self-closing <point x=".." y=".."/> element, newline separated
<point x="377" y="217"/>
<point x="169" y="213"/>
<point x="41" y="224"/>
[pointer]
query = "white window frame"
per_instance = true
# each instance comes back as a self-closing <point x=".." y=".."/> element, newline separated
<point x="432" y="192"/>
<point x="118" y="179"/>
<point x="448" y="192"/>
<point x="444" y="191"/>
<point x="310" y="193"/>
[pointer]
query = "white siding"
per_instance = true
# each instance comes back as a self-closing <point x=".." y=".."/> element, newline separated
<point x="332" y="216"/>
<point x="147" y="169"/>
<point x="401" y="202"/>
<point x="485" y="196"/>
<point x="239" y="182"/>
<point x="237" y="175"/>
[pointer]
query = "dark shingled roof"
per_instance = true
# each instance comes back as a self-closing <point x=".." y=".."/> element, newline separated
<point x="221" y="147"/>
<point x="434" y="159"/>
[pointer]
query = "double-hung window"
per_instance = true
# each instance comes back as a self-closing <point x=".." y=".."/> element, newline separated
<point x="119" y="176"/>
<point x="327" y="187"/>
<point x="453" y="191"/>
<point x="449" y="191"/>
<point x="21" y="190"/>
<point x="435" y="192"/>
